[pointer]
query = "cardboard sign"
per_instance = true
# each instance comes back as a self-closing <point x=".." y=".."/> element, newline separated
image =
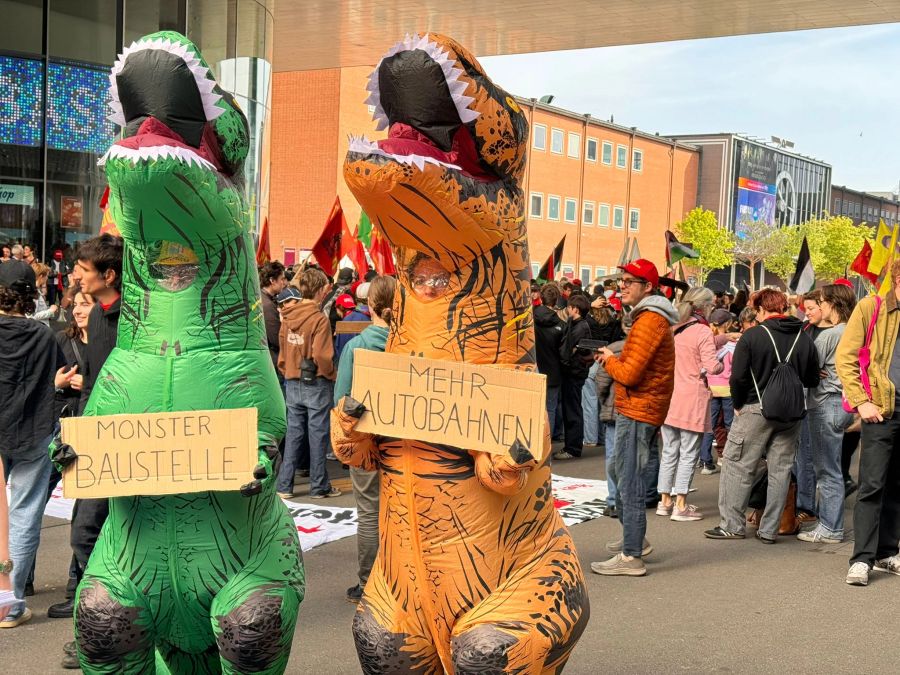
<point x="470" y="406"/>
<point x="160" y="453"/>
<point x="351" y="327"/>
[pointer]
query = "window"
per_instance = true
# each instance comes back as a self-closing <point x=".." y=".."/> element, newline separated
<point x="537" y="205"/>
<point x="568" y="271"/>
<point x="637" y="160"/>
<point x="618" y="217"/>
<point x="599" y="272"/>
<point x="585" y="276"/>
<point x="574" y="145"/>
<point x="539" y="141"/>
<point x="553" y="207"/>
<point x="837" y="205"/>
<point x="603" y="220"/>
<point x="634" y="220"/>
<point x="607" y="153"/>
<point x="591" y="151"/>
<point x="556" y="141"/>
<point x="535" y="270"/>
<point x="587" y="213"/>
<point x="621" y="156"/>
<point x="571" y="210"/>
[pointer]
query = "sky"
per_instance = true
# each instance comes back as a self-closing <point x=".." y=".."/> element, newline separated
<point x="835" y="93"/>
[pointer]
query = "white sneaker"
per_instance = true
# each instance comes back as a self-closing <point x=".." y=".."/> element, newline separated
<point x="890" y="565"/>
<point x="816" y="536"/>
<point x="858" y="574"/>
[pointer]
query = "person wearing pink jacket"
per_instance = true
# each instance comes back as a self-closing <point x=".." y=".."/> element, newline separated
<point x="688" y="418"/>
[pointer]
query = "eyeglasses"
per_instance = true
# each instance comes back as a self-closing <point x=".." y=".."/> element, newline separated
<point x="436" y="282"/>
<point x="627" y="282"/>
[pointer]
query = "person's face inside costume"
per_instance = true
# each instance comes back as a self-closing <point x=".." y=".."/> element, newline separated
<point x="429" y="280"/>
<point x="81" y="309"/>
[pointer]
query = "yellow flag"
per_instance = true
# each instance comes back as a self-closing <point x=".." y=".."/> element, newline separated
<point x="886" y="279"/>
<point x="882" y="247"/>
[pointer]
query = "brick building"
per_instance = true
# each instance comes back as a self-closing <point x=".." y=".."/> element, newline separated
<point x="596" y="182"/>
<point x="865" y="207"/>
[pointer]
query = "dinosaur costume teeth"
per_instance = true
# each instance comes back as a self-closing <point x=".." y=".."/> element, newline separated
<point x="476" y="572"/>
<point x="135" y="155"/>
<point x="203" y="582"/>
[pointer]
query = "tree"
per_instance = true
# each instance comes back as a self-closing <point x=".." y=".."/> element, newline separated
<point x="701" y="230"/>
<point x="754" y="242"/>
<point x="834" y="241"/>
<point x="783" y="262"/>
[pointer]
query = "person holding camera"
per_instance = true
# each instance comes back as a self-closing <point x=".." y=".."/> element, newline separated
<point x="306" y="359"/>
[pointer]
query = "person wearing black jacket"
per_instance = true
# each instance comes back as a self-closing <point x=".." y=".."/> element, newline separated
<point x="31" y="357"/>
<point x="98" y="271"/>
<point x="548" y="335"/>
<point x="574" y="370"/>
<point x="271" y="282"/>
<point x="752" y="436"/>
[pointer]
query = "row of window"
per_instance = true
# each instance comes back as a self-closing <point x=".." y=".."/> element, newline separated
<point x="558" y="141"/>
<point x="857" y="210"/>
<point x="584" y="272"/>
<point x="591" y="212"/>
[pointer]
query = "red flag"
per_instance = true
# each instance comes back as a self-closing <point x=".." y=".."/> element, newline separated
<point x="860" y="264"/>
<point x="262" y="248"/>
<point x="353" y="249"/>
<point x="381" y="253"/>
<point x="328" y="249"/>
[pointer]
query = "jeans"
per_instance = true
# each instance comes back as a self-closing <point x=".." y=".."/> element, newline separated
<point x="552" y="407"/>
<point x="573" y="416"/>
<point x="589" y="412"/>
<point x="367" y="490"/>
<point x="634" y="441"/>
<point x="876" y="518"/>
<point x="678" y="460"/>
<point x="805" y="471"/>
<point x="609" y="431"/>
<point x="751" y="437"/>
<point x="308" y="410"/>
<point x="717" y="404"/>
<point x="27" y="482"/>
<point x="827" y="422"/>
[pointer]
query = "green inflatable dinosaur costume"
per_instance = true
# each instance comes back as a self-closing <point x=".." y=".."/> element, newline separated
<point x="211" y="580"/>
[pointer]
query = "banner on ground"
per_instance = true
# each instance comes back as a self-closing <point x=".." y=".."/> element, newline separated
<point x="316" y="525"/>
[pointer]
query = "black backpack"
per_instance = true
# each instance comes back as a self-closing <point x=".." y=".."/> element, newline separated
<point x="784" y="398"/>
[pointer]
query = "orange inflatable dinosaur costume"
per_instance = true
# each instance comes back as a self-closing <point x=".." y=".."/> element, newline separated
<point x="476" y="572"/>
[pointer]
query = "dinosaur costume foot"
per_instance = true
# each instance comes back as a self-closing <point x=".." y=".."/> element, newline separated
<point x="252" y="619"/>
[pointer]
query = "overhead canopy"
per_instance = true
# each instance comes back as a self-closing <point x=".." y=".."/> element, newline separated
<point x="315" y="34"/>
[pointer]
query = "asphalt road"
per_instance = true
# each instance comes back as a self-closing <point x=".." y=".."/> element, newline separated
<point x="704" y="607"/>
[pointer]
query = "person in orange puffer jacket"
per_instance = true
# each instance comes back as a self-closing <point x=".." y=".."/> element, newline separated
<point x="644" y="374"/>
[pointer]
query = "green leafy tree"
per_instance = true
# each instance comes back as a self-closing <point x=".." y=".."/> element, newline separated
<point x="756" y="241"/>
<point x="834" y="241"/>
<point x="786" y="243"/>
<point x="701" y="230"/>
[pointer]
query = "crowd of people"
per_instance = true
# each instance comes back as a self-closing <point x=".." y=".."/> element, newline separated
<point x="778" y="391"/>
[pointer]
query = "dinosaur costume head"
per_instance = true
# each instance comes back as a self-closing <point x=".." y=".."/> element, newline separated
<point x="175" y="194"/>
<point x="445" y="190"/>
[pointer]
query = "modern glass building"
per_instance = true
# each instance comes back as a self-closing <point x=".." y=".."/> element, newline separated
<point x="55" y="57"/>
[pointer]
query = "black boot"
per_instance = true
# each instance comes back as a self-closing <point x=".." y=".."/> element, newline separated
<point x="62" y="610"/>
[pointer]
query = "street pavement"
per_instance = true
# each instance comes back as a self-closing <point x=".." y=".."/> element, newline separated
<point x="704" y="607"/>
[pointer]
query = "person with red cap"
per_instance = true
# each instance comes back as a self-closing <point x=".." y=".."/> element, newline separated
<point x="644" y="374"/>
